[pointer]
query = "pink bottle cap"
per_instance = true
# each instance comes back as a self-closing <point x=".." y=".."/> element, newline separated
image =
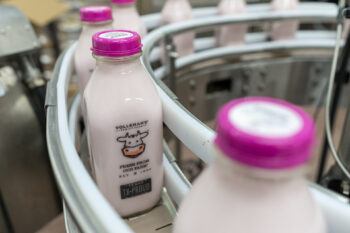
<point x="123" y="2"/>
<point x="94" y="14"/>
<point x="265" y="132"/>
<point x="116" y="43"/>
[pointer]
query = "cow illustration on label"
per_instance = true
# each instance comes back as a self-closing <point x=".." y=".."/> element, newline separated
<point x="133" y="144"/>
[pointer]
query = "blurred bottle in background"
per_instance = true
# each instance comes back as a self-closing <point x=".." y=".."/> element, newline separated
<point x="255" y="184"/>
<point x="126" y="17"/>
<point x="233" y="34"/>
<point x="94" y="19"/>
<point x="176" y="11"/>
<point x="284" y="29"/>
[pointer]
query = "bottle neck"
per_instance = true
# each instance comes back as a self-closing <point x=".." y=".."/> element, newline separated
<point x="233" y="3"/>
<point x="231" y="168"/>
<point x="124" y="6"/>
<point x="179" y="1"/>
<point x="126" y="64"/>
<point x="87" y="26"/>
<point x="284" y="4"/>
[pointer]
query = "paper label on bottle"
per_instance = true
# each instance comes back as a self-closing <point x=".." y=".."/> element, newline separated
<point x="136" y="188"/>
<point x="116" y="35"/>
<point x="132" y="139"/>
<point x="265" y="119"/>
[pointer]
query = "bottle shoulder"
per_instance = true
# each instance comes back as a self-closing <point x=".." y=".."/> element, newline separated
<point x="232" y="198"/>
<point x="83" y="58"/>
<point x="225" y="183"/>
<point x="231" y="7"/>
<point x="130" y="20"/>
<point x="126" y="89"/>
<point x="127" y="13"/>
<point x="83" y="45"/>
<point x="176" y="11"/>
<point x="284" y="4"/>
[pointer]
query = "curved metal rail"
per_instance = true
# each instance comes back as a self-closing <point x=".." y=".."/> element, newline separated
<point x="89" y="209"/>
<point x="329" y="134"/>
<point x="193" y="133"/>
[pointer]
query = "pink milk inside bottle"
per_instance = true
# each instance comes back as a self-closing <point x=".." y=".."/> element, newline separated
<point x="94" y="19"/>
<point x="176" y="11"/>
<point x="255" y="184"/>
<point x="124" y="124"/>
<point x="233" y="34"/>
<point x="126" y="16"/>
<point x="284" y="29"/>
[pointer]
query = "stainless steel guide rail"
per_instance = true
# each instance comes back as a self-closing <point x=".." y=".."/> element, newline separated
<point x="86" y="209"/>
<point x="197" y="129"/>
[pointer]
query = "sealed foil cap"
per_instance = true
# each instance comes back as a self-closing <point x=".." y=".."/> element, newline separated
<point x="265" y="132"/>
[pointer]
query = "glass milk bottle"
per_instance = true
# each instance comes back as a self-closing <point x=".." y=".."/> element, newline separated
<point x="284" y="29"/>
<point x="255" y="184"/>
<point x="94" y="19"/>
<point x="124" y="123"/>
<point x="126" y="16"/>
<point x="176" y="11"/>
<point x="232" y="34"/>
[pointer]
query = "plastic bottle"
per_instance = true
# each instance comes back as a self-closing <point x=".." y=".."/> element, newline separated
<point x="255" y="183"/>
<point x="233" y="34"/>
<point x="94" y="19"/>
<point x="284" y="29"/>
<point x="176" y="11"/>
<point x="124" y="124"/>
<point x="126" y="17"/>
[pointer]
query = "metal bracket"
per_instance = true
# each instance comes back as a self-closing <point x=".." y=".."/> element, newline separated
<point x="16" y="33"/>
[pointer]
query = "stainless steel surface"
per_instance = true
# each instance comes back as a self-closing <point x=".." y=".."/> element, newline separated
<point x="16" y="32"/>
<point x="33" y="77"/>
<point x="344" y="147"/>
<point x="70" y="223"/>
<point x="158" y="220"/>
<point x="202" y="91"/>
<point x="25" y="178"/>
